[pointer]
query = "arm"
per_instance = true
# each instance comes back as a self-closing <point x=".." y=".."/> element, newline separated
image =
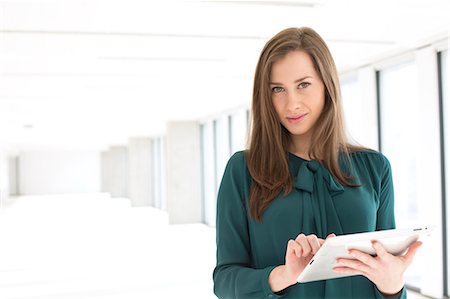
<point x="234" y="276"/>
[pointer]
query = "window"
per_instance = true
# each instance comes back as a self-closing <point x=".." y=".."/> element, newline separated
<point x="208" y="174"/>
<point x="409" y="121"/>
<point x="359" y="101"/>
<point x="220" y="138"/>
<point x="446" y="142"/>
<point x="222" y="145"/>
<point x="158" y="173"/>
<point x="238" y="131"/>
<point x="399" y="115"/>
<point x="352" y="104"/>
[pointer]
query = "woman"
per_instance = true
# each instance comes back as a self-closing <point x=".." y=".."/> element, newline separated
<point x="299" y="182"/>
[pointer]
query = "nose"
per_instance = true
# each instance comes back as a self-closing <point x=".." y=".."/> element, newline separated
<point x="294" y="101"/>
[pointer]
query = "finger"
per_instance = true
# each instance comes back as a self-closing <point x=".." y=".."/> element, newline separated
<point x="353" y="264"/>
<point x="379" y="249"/>
<point x="290" y="248"/>
<point x="365" y="258"/>
<point x="331" y="235"/>
<point x="346" y="270"/>
<point x="300" y="237"/>
<point x="314" y="243"/>
<point x="306" y="248"/>
<point x="412" y="250"/>
<point x="294" y="248"/>
<point x="321" y="241"/>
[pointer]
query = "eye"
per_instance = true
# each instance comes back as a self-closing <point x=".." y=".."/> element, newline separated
<point x="277" y="89"/>
<point x="304" y="85"/>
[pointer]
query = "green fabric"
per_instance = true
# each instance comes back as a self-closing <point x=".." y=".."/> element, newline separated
<point x="247" y="251"/>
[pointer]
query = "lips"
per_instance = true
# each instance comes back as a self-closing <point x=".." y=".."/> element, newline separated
<point x="296" y="118"/>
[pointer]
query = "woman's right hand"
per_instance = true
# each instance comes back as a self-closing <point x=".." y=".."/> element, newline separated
<point x="299" y="253"/>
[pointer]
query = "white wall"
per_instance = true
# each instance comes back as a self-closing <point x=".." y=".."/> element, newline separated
<point x="140" y="171"/>
<point x="51" y="172"/>
<point x="114" y="171"/>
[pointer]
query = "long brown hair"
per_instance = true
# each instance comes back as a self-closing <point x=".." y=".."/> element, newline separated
<point x="267" y="156"/>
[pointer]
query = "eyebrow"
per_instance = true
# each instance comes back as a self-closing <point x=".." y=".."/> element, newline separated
<point x="296" y="81"/>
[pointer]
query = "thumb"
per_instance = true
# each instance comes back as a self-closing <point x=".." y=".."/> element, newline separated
<point x="412" y="250"/>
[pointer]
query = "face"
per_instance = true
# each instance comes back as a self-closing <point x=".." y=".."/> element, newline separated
<point x="298" y="93"/>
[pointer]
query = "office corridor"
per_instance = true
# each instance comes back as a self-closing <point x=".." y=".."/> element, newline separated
<point x="94" y="246"/>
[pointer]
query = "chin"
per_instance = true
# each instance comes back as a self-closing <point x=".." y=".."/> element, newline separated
<point x="297" y="132"/>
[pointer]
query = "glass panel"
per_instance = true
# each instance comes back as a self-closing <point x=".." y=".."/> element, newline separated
<point x="238" y="131"/>
<point x="222" y="142"/>
<point x="157" y="172"/>
<point x="208" y="175"/>
<point x="400" y="113"/>
<point x="446" y="119"/>
<point x="162" y="151"/>
<point x="353" y="108"/>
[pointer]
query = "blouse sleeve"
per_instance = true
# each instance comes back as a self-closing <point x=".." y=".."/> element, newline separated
<point x="385" y="213"/>
<point x="233" y="275"/>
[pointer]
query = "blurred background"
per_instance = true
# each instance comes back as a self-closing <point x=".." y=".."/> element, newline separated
<point x="117" y="119"/>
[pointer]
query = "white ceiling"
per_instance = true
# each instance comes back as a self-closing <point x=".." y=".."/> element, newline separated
<point x="92" y="73"/>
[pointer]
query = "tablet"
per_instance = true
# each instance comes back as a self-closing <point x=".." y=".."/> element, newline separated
<point x="395" y="241"/>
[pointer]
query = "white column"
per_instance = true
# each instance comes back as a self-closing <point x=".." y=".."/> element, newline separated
<point x="140" y="164"/>
<point x="4" y="182"/>
<point x="105" y="158"/>
<point x="183" y="172"/>
<point x="118" y="171"/>
<point x="12" y="176"/>
<point x="429" y="191"/>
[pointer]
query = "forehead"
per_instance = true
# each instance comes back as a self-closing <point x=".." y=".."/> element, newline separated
<point x="293" y="65"/>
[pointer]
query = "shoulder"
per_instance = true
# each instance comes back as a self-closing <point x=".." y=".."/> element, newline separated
<point x="370" y="160"/>
<point x="237" y="157"/>
<point x="236" y="180"/>
<point x="370" y="156"/>
<point x="237" y="165"/>
<point x="237" y="160"/>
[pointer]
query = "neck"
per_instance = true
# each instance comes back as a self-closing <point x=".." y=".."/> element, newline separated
<point x="300" y="146"/>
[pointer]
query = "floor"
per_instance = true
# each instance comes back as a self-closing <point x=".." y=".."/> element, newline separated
<point x="94" y="246"/>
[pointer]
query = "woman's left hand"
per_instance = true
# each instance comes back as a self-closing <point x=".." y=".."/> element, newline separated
<point x="384" y="270"/>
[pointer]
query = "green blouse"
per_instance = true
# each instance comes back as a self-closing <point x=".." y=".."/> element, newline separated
<point x="247" y="251"/>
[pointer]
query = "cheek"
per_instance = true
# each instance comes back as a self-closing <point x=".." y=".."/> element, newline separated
<point x="319" y="102"/>
<point x="278" y="106"/>
<point x="321" y="105"/>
